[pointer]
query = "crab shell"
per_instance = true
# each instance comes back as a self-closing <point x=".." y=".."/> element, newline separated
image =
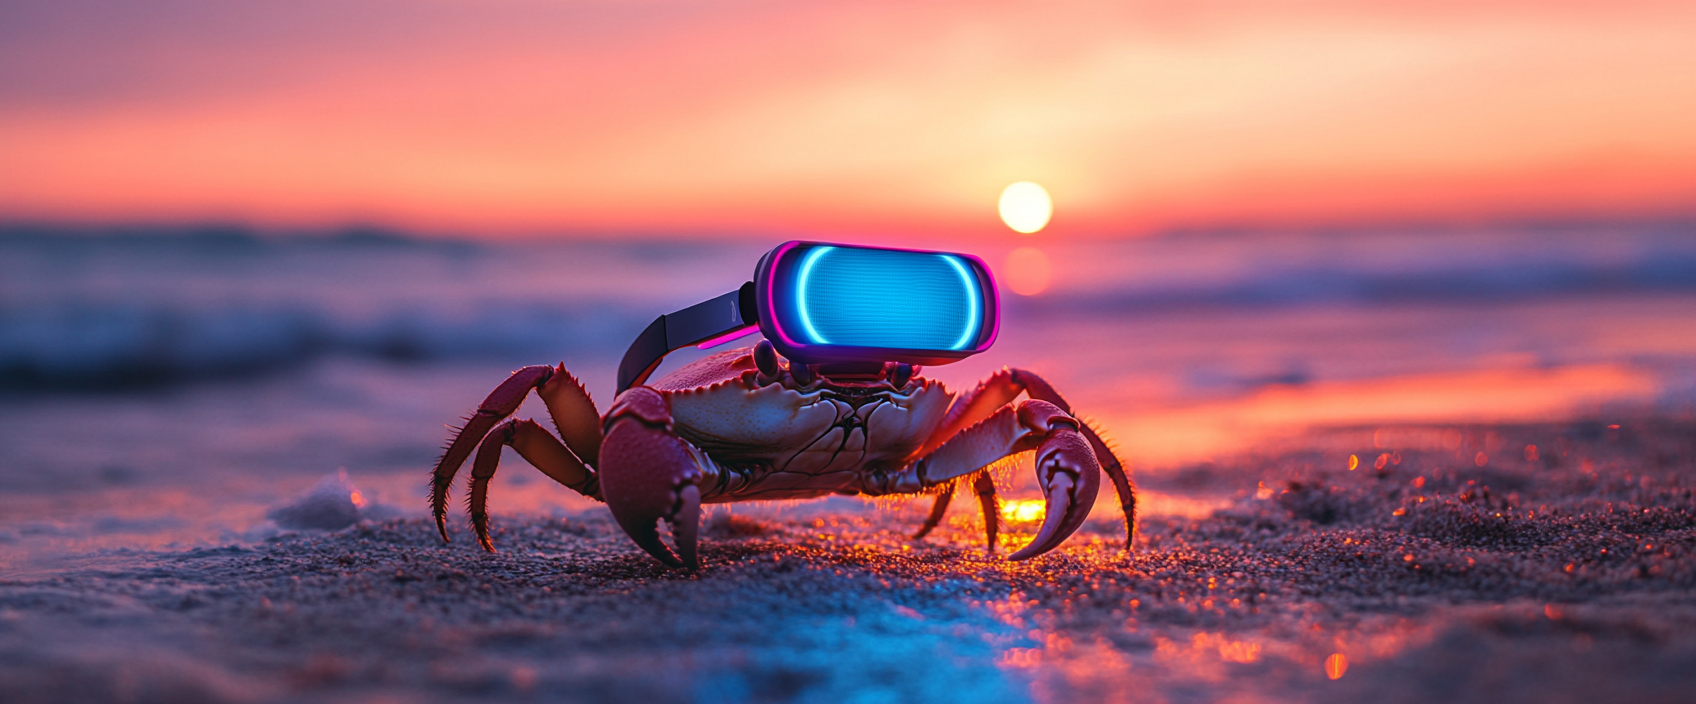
<point x="797" y="440"/>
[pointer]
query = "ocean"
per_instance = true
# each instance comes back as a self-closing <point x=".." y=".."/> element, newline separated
<point x="169" y="388"/>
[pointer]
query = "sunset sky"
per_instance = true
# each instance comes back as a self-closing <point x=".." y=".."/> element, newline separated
<point x="720" y="118"/>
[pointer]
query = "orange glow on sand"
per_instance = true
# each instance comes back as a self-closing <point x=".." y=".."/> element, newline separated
<point x="1023" y="510"/>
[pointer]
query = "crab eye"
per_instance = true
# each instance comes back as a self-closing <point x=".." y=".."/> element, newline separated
<point x="902" y="374"/>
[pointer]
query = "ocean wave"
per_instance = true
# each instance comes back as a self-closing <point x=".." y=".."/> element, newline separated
<point x="1315" y="286"/>
<point x="1380" y="270"/>
<point x="79" y="346"/>
<point x="82" y="310"/>
<point x="102" y="312"/>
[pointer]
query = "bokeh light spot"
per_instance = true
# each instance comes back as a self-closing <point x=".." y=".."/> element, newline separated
<point x="1335" y="666"/>
<point x="1028" y="272"/>
<point x="1023" y="510"/>
<point x="1025" y="207"/>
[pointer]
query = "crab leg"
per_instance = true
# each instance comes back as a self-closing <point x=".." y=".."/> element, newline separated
<point x="574" y="415"/>
<point x="567" y="402"/>
<point x="1004" y="386"/>
<point x="538" y="447"/>
<point x="650" y="474"/>
<point x="482" y="470"/>
<point x="501" y="402"/>
<point x="545" y="452"/>
<point x="984" y="486"/>
<point x="937" y="511"/>
<point x="1066" y="467"/>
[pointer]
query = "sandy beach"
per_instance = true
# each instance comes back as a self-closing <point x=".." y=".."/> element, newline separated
<point x="1451" y="562"/>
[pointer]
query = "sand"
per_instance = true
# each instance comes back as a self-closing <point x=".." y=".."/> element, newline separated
<point x="1447" y="565"/>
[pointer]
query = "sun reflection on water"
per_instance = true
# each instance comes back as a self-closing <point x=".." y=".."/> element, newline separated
<point x="1336" y="666"/>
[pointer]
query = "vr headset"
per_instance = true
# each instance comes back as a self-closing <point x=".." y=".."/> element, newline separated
<point x="839" y="305"/>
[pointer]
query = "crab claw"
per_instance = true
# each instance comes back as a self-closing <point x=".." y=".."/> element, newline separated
<point x="648" y="474"/>
<point x="1070" y="476"/>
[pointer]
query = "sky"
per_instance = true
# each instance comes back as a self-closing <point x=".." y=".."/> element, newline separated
<point x="522" y="117"/>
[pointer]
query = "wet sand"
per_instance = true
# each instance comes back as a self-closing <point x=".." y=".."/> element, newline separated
<point x="1451" y="563"/>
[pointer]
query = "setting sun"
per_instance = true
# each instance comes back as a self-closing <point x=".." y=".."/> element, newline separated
<point x="1025" y="207"/>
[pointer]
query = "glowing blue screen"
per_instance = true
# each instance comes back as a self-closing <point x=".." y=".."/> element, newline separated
<point x="882" y="298"/>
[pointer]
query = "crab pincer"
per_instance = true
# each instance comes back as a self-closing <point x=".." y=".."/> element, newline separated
<point x="649" y="474"/>
<point x="1067" y="467"/>
<point x="1068" y="472"/>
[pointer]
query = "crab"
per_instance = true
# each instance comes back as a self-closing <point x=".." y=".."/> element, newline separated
<point x="747" y="425"/>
